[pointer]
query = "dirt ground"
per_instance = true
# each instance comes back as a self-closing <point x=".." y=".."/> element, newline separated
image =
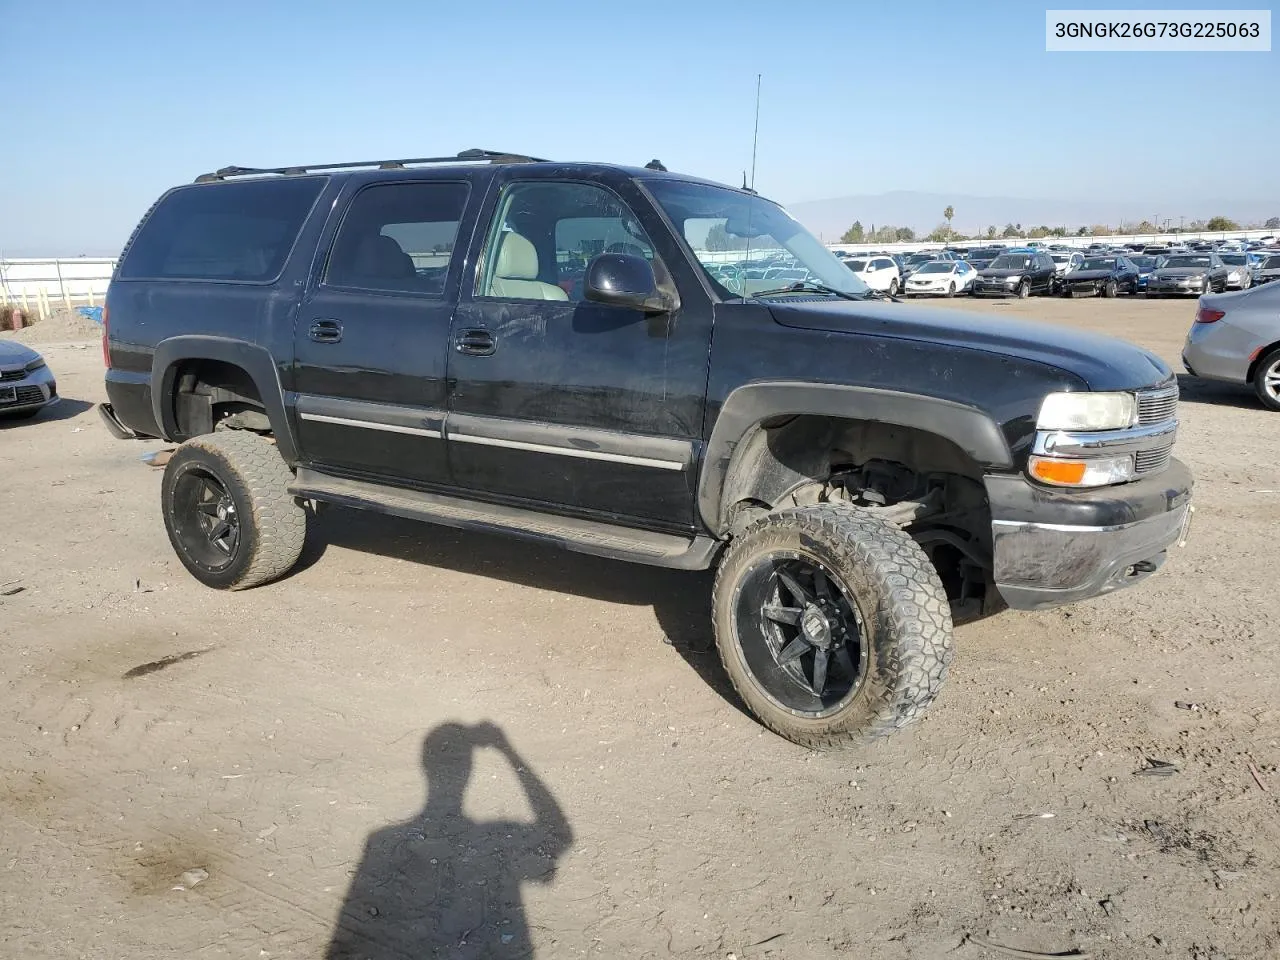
<point x="189" y="773"/>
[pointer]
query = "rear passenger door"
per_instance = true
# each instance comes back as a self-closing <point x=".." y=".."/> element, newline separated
<point x="371" y="339"/>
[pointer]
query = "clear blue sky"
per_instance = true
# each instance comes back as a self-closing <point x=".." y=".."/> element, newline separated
<point x="107" y="104"/>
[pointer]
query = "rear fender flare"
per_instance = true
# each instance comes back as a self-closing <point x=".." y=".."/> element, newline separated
<point x="254" y="360"/>
<point x="746" y="407"/>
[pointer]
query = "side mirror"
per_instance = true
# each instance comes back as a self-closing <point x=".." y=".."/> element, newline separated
<point x="626" y="281"/>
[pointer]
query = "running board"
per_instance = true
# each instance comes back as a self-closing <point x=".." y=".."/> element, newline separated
<point x="582" y="536"/>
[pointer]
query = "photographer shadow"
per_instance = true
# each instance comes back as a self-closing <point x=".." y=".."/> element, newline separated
<point x="442" y="884"/>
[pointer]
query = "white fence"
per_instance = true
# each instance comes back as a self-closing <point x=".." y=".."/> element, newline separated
<point x="41" y="287"/>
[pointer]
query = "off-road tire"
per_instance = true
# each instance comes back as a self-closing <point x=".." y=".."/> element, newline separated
<point x="904" y="609"/>
<point x="273" y="525"/>
<point x="1265" y="366"/>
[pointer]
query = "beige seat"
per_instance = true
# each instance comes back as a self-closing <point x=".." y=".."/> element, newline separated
<point x="515" y="275"/>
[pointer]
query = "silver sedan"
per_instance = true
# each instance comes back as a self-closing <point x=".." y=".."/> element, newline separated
<point x="27" y="386"/>
<point x="1236" y="338"/>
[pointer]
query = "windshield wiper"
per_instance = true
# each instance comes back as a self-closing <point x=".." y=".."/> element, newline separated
<point x="810" y="286"/>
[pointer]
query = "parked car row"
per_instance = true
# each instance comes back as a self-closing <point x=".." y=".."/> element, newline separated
<point x="1098" y="271"/>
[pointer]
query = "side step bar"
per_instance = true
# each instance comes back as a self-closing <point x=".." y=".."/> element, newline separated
<point x="583" y="536"/>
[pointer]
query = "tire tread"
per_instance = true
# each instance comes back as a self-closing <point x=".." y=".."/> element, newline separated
<point x="913" y="609"/>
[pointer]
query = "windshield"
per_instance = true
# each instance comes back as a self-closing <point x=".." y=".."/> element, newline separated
<point x="1235" y="259"/>
<point x="918" y="258"/>
<point x="1145" y="263"/>
<point x="1187" y="262"/>
<point x="1099" y="263"/>
<point x="936" y="266"/>
<point x="726" y="226"/>
<point x="1010" y="261"/>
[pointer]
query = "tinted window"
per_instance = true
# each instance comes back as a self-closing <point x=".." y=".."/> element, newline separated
<point x="222" y="231"/>
<point x="398" y="237"/>
<point x="1010" y="261"/>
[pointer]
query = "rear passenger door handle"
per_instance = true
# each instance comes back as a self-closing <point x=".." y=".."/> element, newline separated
<point x="476" y="343"/>
<point x="326" y="331"/>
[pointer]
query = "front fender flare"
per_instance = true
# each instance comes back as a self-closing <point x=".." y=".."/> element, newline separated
<point x="254" y="360"/>
<point x="969" y="428"/>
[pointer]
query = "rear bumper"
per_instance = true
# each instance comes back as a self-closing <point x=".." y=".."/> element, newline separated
<point x="1052" y="547"/>
<point x="129" y="405"/>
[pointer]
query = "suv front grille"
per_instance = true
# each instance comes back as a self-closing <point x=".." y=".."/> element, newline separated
<point x="1158" y="405"/>
<point x="1149" y="461"/>
<point x="18" y="374"/>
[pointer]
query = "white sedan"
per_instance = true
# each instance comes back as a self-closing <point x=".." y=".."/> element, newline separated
<point x="878" y="273"/>
<point x="941" y="278"/>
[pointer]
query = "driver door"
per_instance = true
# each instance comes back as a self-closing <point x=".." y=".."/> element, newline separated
<point x="571" y="405"/>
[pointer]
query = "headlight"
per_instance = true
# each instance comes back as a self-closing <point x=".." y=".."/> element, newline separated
<point x="1233" y="275"/>
<point x="1081" y="473"/>
<point x="35" y="364"/>
<point x="1087" y="411"/>
<point x="1012" y="280"/>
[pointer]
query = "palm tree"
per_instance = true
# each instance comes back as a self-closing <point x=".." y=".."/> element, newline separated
<point x="947" y="215"/>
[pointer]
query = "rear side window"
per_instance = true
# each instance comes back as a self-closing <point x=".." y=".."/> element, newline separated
<point x="224" y="231"/>
<point x="398" y="237"/>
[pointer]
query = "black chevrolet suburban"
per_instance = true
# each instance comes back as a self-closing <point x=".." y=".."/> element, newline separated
<point x="643" y="366"/>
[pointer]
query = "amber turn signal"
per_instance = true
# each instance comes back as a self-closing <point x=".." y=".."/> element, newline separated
<point x="1066" y="473"/>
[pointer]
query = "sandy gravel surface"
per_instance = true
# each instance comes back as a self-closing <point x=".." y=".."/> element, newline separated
<point x="194" y="774"/>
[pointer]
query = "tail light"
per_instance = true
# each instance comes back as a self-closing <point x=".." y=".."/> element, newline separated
<point x="1209" y="315"/>
<point x="106" y="350"/>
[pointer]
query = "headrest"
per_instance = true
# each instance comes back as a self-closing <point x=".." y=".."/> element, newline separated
<point x="517" y="259"/>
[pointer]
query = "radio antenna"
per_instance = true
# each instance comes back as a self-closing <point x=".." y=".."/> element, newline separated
<point x="755" y="135"/>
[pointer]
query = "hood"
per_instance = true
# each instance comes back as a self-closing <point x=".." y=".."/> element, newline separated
<point x="1102" y="362"/>
<point x="1182" y="271"/>
<point x="14" y="354"/>
<point x="1003" y="272"/>
<point x="1087" y="275"/>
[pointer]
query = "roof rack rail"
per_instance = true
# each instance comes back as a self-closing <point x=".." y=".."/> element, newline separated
<point x="466" y="156"/>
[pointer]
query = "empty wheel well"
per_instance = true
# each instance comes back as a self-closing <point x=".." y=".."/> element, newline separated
<point x="920" y="480"/>
<point x="209" y="394"/>
<point x="1257" y="360"/>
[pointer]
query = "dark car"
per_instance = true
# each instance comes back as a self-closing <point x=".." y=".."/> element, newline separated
<point x="1188" y="274"/>
<point x="981" y="258"/>
<point x="398" y="337"/>
<point x="1268" y="269"/>
<point x="1100" y="276"/>
<point x="1146" y="265"/>
<point x="1016" y="275"/>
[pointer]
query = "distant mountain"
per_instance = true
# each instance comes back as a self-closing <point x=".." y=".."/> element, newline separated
<point x="923" y="211"/>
